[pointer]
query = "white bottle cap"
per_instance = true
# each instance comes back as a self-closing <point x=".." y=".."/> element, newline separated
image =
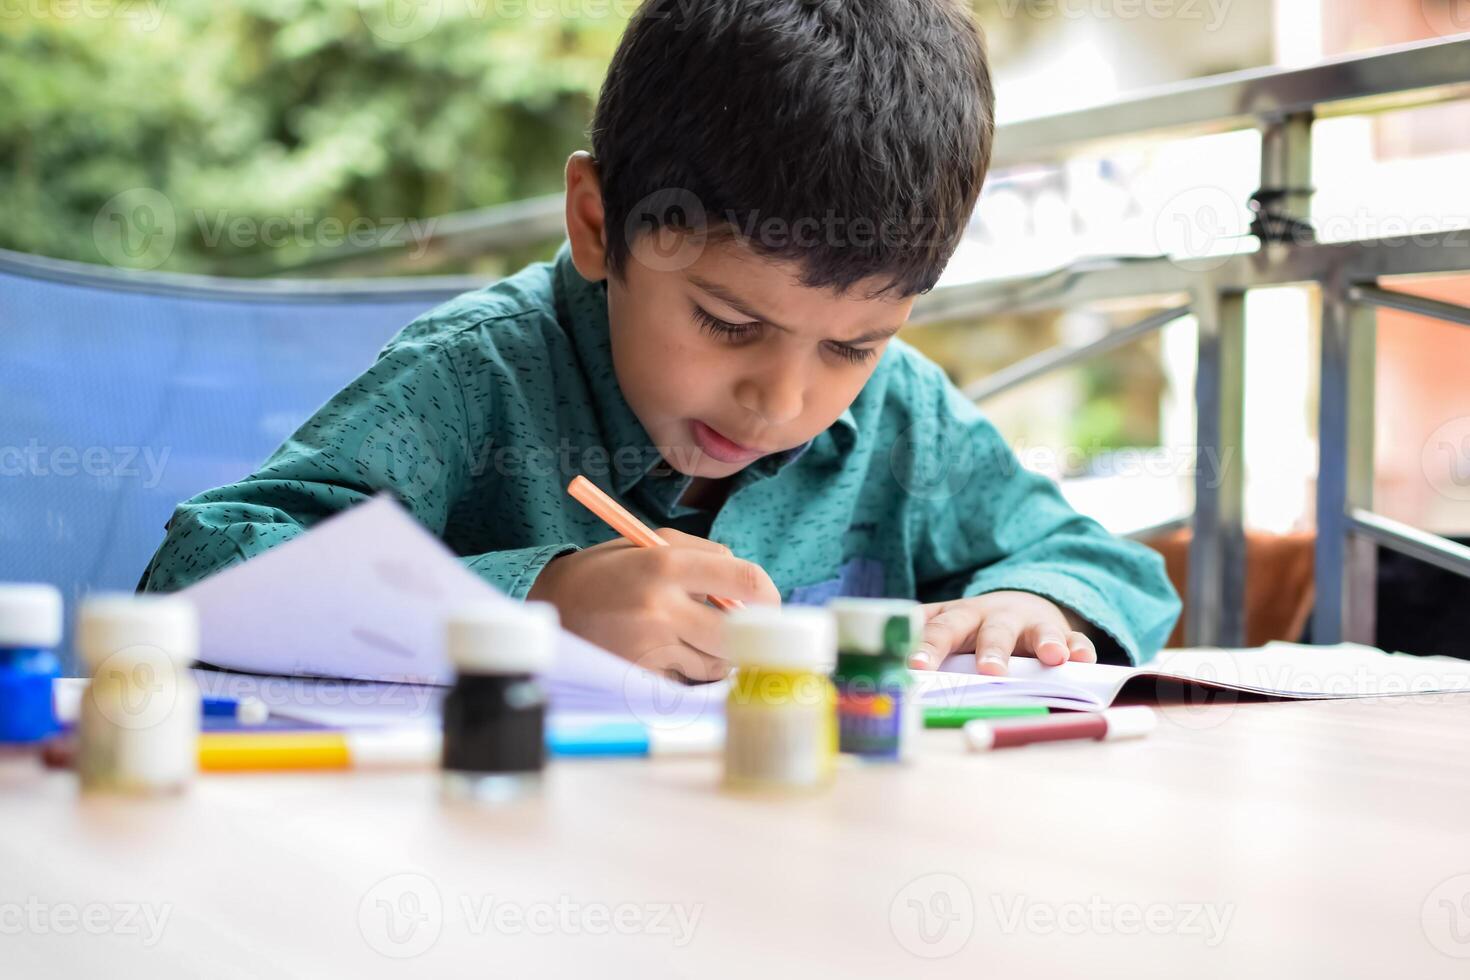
<point x="137" y="628"/>
<point x="862" y="622"/>
<point x="497" y="638"/>
<point x="30" y="616"/>
<point x="793" y="637"/>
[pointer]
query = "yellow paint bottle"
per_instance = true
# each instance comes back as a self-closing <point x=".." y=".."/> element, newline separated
<point x="781" y="712"/>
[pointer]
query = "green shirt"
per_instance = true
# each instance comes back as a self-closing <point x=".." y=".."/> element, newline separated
<point x="478" y="414"/>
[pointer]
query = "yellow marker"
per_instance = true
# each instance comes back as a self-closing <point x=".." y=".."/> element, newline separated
<point x="392" y="749"/>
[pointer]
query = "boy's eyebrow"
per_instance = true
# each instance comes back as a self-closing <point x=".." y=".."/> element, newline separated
<point x="882" y="333"/>
<point x="740" y="306"/>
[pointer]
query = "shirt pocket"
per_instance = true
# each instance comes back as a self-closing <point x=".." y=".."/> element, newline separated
<point x="858" y="577"/>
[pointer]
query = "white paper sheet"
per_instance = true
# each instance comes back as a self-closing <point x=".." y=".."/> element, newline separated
<point x="365" y="596"/>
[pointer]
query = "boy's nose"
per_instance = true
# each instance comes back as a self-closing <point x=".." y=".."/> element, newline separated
<point x="777" y="399"/>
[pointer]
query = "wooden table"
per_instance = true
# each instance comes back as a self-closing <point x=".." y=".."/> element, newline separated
<point x="1323" y="839"/>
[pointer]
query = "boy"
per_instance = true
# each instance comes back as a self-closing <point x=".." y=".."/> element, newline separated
<point x="771" y="184"/>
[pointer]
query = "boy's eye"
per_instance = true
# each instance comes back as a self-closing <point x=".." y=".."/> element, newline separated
<point x="856" y="355"/>
<point x="723" y="328"/>
<point x="739" y="331"/>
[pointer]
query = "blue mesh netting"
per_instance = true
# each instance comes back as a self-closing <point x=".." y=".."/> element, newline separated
<point x="115" y="404"/>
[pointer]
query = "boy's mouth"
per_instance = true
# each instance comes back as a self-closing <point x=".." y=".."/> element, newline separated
<point x="719" y="447"/>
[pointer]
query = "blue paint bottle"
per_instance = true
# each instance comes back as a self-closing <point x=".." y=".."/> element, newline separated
<point x="30" y="629"/>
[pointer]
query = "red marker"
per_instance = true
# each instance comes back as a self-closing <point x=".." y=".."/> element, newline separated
<point x="1102" y="726"/>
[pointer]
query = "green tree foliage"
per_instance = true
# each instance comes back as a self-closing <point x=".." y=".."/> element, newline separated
<point x="258" y="131"/>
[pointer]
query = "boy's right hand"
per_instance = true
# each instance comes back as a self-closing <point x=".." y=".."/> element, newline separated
<point x="647" y="604"/>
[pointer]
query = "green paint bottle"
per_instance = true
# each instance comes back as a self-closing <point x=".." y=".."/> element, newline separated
<point x="877" y="717"/>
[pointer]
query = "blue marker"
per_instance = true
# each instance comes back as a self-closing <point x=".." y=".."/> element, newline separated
<point x="30" y="629"/>
<point x="246" y="710"/>
<point x="618" y="738"/>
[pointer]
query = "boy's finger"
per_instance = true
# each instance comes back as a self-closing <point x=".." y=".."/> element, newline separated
<point x="679" y="539"/>
<point x="702" y="572"/>
<point x="946" y="632"/>
<point x="701" y="627"/>
<point x="1048" y="643"/>
<point x="994" y="644"/>
<point x="696" y="666"/>
<point x="680" y="661"/>
<point x="1081" y="648"/>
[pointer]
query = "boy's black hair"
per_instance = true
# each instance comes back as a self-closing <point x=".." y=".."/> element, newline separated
<point x="851" y="136"/>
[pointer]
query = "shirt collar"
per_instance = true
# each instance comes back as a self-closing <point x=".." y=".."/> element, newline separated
<point x="582" y="309"/>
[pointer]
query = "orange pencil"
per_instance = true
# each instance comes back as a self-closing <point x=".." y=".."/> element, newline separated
<point x="630" y="527"/>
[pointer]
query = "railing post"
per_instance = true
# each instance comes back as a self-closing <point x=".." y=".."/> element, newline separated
<point x="1283" y="202"/>
<point x="1346" y="570"/>
<point x="1215" y="604"/>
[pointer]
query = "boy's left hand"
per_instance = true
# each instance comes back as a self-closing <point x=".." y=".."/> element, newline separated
<point x="998" y="624"/>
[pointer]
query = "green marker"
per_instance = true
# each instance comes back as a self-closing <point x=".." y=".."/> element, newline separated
<point x="956" y="717"/>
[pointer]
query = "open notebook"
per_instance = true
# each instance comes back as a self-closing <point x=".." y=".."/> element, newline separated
<point x="363" y="598"/>
<point x="1283" y="670"/>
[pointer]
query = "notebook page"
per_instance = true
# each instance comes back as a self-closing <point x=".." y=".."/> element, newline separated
<point x="1345" y="670"/>
<point x="1028" y="681"/>
<point x="1289" y="670"/>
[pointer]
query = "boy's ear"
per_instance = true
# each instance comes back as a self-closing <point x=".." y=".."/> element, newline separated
<point x="586" y="228"/>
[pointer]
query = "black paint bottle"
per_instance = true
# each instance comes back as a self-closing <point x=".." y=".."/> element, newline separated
<point x="495" y="714"/>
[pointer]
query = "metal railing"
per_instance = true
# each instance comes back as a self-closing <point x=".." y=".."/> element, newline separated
<point x="1282" y="105"/>
<point x="452" y="238"/>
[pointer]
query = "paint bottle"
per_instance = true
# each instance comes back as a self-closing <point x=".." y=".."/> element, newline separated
<point x="877" y="717"/>
<point x="30" y="630"/>
<point x="494" y="746"/>
<point x="138" y="729"/>
<point x="780" y="714"/>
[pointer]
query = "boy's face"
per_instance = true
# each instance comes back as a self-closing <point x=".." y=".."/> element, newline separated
<point x="730" y="358"/>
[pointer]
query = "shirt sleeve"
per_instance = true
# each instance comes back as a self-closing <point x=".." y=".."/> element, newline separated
<point x="401" y="427"/>
<point x="514" y="571"/>
<point x="986" y="524"/>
